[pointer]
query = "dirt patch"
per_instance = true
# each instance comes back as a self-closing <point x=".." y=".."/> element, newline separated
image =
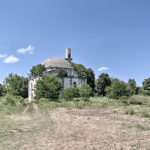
<point x="80" y="129"/>
<point x="96" y="128"/>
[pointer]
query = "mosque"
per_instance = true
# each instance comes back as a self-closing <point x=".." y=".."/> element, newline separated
<point x="55" y="63"/>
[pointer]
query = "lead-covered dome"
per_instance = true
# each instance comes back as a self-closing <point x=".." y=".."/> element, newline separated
<point x="56" y="62"/>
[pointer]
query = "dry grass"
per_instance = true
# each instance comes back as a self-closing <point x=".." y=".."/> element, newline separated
<point x="104" y="124"/>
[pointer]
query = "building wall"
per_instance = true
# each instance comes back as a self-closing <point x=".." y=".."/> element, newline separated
<point x="66" y="82"/>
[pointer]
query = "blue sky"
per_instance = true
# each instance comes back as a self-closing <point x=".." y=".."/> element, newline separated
<point x="108" y="36"/>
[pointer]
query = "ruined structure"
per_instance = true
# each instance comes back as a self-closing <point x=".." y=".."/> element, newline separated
<point x="55" y="63"/>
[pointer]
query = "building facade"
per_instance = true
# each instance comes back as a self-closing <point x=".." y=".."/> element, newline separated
<point x="55" y="63"/>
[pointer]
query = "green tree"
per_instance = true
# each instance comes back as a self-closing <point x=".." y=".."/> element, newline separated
<point x="1" y="89"/>
<point x="80" y="69"/>
<point x="67" y="94"/>
<point x="103" y="81"/>
<point x="61" y="73"/>
<point x="132" y="84"/>
<point x="117" y="89"/>
<point x="115" y="80"/>
<point x="16" y="85"/>
<point x="85" y="73"/>
<point x="85" y="92"/>
<point x="91" y="80"/>
<point x="48" y="87"/>
<point x="146" y="84"/>
<point x="137" y="90"/>
<point x="37" y="70"/>
<point x="71" y="92"/>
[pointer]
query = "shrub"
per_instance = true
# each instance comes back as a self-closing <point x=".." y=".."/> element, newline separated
<point x="20" y="99"/>
<point x="61" y="73"/>
<point x="70" y="93"/>
<point x="85" y="92"/>
<point x="76" y="101"/>
<point x="135" y="101"/>
<point x="145" y="114"/>
<point x="146" y="92"/>
<point x="9" y="100"/>
<point x="124" y="99"/>
<point x="48" y="87"/>
<point x="116" y="90"/>
<point x="43" y="100"/>
<point x="130" y="111"/>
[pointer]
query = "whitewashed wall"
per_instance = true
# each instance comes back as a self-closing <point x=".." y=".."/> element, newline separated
<point x="66" y="82"/>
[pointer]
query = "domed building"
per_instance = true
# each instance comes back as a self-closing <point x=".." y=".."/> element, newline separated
<point x="55" y="63"/>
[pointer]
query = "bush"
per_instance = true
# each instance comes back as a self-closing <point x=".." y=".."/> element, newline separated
<point x="48" y="87"/>
<point x="145" y="114"/>
<point x="61" y="73"/>
<point x="76" y="101"/>
<point x="124" y="99"/>
<point x="130" y="111"/>
<point x="135" y="101"/>
<point x="20" y="99"/>
<point x="9" y="100"/>
<point x="67" y="94"/>
<point x="85" y="92"/>
<point x="70" y="93"/>
<point x="116" y="90"/>
<point x="43" y="100"/>
<point x="146" y="92"/>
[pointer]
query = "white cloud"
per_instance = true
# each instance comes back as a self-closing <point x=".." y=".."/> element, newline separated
<point x="11" y="59"/>
<point x="2" y="56"/>
<point x="29" y="49"/>
<point x="103" y="68"/>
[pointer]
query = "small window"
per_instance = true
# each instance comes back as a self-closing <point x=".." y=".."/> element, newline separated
<point x="68" y="55"/>
<point x="74" y="84"/>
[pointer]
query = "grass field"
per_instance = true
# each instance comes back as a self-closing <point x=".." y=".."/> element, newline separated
<point x="99" y="124"/>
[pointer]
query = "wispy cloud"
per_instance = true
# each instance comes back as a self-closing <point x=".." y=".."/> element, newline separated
<point x="29" y="49"/>
<point x="103" y="68"/>
<point x="11" y="59"/>
<point x="2" y="56"/>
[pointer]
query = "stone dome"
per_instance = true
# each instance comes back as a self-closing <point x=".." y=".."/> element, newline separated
<point x="56" y="62"/>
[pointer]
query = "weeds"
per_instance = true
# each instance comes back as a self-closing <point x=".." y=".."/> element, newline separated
<point x="137" y="126"/>
<point x="130" y="111"/>
<point x="145" y="114"/>
<point x="114" y="111"/>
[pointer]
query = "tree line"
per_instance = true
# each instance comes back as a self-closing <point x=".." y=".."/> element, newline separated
<point x="50" y="86"/>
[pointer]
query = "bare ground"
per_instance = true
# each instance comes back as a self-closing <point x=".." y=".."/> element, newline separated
<point x="84" y="129"/>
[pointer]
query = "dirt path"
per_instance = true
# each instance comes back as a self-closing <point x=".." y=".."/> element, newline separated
<point x="95" y="130"/>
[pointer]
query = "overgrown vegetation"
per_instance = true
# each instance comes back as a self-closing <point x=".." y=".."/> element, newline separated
<point x="48" y="87"/>
<point x="61" y="73"/>
<point x="85" y="73"/>
<point x="15" y="89"/>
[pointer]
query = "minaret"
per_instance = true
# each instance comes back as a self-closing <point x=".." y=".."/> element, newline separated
<point x="68" y="55"/>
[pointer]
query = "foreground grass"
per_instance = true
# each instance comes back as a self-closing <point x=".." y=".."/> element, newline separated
<point x="17" y="126"/>
<point x="21" y="131"/>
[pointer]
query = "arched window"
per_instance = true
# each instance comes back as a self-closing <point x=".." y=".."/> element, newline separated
<point x="74" y="84"/>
